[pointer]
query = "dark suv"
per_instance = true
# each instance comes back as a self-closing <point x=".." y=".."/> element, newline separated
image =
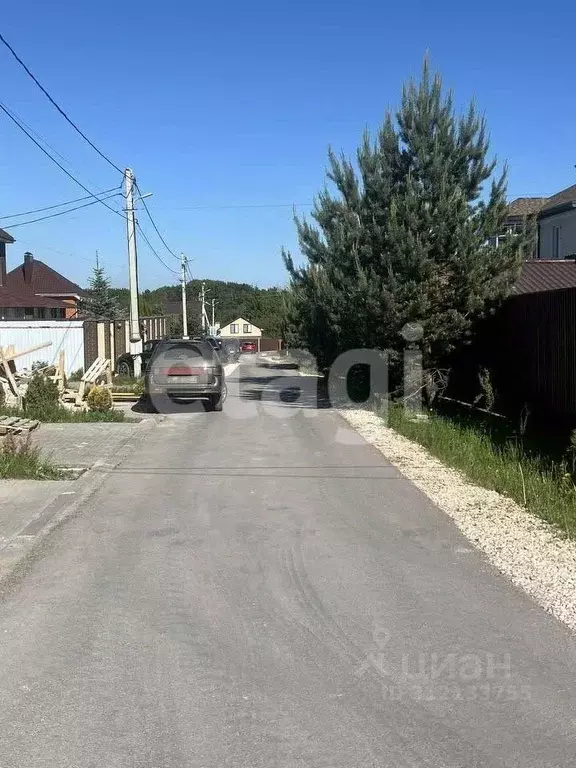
<point x="189" y="369"/>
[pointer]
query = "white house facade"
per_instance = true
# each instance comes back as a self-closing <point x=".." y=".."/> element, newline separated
<point x="240" y="329"/>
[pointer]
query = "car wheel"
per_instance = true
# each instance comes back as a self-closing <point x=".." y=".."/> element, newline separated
<point x="124" y="369"/>
<point x="216" y="402"/>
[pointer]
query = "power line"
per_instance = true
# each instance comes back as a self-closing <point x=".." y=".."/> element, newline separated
<point x="51" y="207"/>
<point x="61" y="213"/>
<point x="154" y="251"/>
<point x="47" y="143"/>
<point x="17" y="122"/>
<point x="55" y="104"/>
<point x="170" y="251"/>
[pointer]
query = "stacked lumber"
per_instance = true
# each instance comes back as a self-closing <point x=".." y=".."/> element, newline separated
<point x="12" y="382"/>
<point x="15" y="425"/>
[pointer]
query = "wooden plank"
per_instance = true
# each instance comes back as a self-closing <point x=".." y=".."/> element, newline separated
<point x="9" y="375"/>
<point x="7" y="421"/>
<point x="14" y="355"/>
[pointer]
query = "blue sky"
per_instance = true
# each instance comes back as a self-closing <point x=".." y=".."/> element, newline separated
<point x="234" y="104"/>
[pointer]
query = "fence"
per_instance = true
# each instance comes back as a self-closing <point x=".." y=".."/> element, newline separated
<point x="64" y="335"/>
<point x="82" y="341"/>
<point x="529" y="346"/>
<point x="112" y="339"/>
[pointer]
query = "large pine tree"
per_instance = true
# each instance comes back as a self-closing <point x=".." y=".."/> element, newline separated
<point x="404" y="238"/>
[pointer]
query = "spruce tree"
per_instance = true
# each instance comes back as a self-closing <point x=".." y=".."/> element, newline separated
<point x="405" y="236"/>
<point x="100" y="303"/>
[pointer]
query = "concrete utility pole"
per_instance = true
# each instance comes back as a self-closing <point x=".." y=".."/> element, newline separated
<point x="213" y="324"/>
<point x="202" y="298"/>
<point x="135" y="337"/>
<point x="184" y="307"/>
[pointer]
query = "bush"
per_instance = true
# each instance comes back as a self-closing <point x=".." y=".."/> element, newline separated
<point x="42" y="395"/>
<point x="138" y="387"/>
<point x="76" y="375"/>
<point x="99" y="399"/>
<point x="2" y="396"/>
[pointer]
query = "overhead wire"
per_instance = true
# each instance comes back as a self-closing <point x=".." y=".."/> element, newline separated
<point x="51" y="207"/>
<point x="62" y="213"/>
<point x="47" y="144"/>
<point x="56" y="105"/>
<point x="62" y="168"/>
<point x="143" y="201"/>
<point x="154" y="251"/>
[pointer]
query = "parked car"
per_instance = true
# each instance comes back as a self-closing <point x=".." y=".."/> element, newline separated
<point x="215" y="343"/>
<point x="249" y="347"/>
<point x="125" y="363"/>
<point x="188" y="369"/>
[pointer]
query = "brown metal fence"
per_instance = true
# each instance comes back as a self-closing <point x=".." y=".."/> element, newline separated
<point x="529" y="346"/>
<point x="111" y="339"/>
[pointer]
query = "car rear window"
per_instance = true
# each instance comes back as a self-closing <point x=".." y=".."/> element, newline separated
<point x="178" y="351"/>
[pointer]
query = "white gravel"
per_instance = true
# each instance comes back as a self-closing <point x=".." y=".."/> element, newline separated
<point x="528" y="550"/>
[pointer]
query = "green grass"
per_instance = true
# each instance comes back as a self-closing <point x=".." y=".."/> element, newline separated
<point x="21" y="460"/>
<point x="59" y="414"/>
<point x="544" y="486"/>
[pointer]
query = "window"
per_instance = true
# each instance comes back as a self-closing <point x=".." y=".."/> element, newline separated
<point x="234" y="328"/>
<point x="247" y="328"/>
<point x="556" y="231"/>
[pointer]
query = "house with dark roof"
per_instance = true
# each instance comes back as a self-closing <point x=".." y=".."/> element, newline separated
<point x="556" y="217"/>
<point x="33" y="290"/>
<point x="557" y="226"/>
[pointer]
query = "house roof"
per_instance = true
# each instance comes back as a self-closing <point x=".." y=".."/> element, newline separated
<point x="525" y="206"/>
<point x="240" y="321"/>
<point x="539" y="275"/>
<point x="44" y="280"/>
<point x="564" y="197"/>
<point x="5" y="237"/>
<point x="12" y="299"/>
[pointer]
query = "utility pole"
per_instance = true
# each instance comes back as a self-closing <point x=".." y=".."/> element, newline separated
<point x="213" y="324"/>
<point x="202" y="298"/>
<point x="135" y="337"/>
<point x="184" y="307"/>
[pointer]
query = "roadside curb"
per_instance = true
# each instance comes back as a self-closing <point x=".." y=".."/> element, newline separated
<point x="22" y="546"/>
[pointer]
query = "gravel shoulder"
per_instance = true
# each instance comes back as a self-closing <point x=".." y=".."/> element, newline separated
<point x="526" y="549"/>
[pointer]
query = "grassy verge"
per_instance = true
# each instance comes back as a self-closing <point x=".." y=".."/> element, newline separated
<point x="543" y="486"/>
<point x="60" y="414"/>
<point x="21" y="460"/>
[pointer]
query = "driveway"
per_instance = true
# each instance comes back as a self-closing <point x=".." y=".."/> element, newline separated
<point x="259" y="588"/>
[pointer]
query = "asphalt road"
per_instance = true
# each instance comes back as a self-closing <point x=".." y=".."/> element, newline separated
<point x="259" y="589"/>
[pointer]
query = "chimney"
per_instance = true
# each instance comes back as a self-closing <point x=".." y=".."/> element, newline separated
<point x="28" y="267"/>
<point x="2" y="264"/>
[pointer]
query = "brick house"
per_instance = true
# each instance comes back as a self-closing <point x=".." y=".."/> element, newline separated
<point x="33" y="290"/>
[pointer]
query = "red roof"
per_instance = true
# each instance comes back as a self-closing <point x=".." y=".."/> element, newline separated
<point x="44" y="280"/>
<point x="540" y="275"/>
<point x="10" y="299"/>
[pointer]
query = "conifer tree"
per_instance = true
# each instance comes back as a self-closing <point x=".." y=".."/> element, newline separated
<point x="405" y="236"/>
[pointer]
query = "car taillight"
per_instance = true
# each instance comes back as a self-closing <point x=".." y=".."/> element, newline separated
<point x="181" y="370"/>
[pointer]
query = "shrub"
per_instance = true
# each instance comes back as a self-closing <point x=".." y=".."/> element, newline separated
<point x="2" y="396"/>
<point x="76" y="375"/>
<point x="99" y="399"/>
<point x="42" y="395"/>
<point x="138" y="387"/>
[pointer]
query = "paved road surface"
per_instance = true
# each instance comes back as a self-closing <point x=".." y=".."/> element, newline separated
<point x="259" y="589"/>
